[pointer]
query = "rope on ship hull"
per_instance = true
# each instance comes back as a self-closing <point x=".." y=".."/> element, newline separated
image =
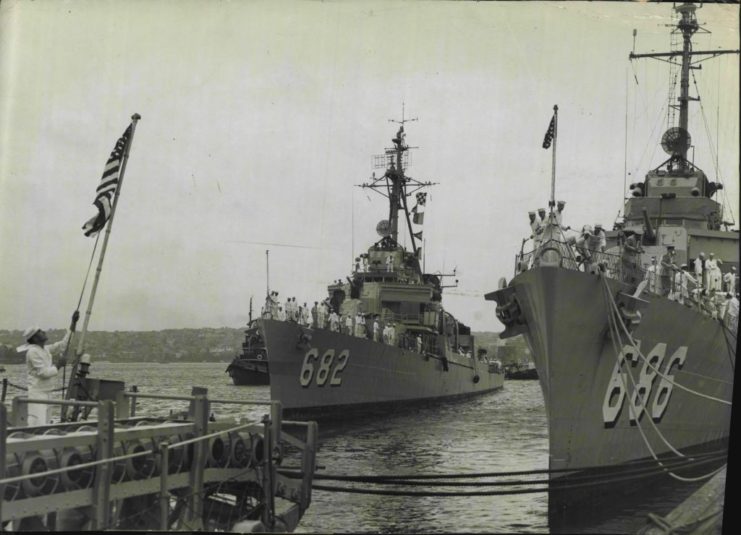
<point x="613" y="319"/>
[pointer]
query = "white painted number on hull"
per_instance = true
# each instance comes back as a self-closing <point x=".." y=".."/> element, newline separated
<point x="325" y="369"/>
<point x="620" y="383"/>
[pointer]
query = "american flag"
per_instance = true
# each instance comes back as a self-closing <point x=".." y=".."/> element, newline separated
<point x="549" y="134"/>
<point x="107" y="187"/>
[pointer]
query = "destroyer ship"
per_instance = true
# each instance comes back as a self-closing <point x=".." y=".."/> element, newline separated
<point x="394" y="342"/>
<point x="633" y="330"/>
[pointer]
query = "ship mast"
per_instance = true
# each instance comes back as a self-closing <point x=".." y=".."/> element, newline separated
<point x="394" y="183"/>
<point x="687" y="25"/>
<point x="395" y="173"/>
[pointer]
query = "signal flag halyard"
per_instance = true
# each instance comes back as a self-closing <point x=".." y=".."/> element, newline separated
<point x="107" y="187"/>
<point x="549" y="134"/>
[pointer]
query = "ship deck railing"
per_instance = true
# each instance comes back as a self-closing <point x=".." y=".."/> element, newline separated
<point x="38" y="477"/>
<point x="627" y="270"/>
<point x="614" y="266"/>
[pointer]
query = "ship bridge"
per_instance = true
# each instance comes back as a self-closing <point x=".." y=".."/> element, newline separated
<point x="673" y="206"/>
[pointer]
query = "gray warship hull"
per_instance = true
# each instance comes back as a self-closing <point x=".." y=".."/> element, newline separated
<point x="589" y="382"/>
<point x="321" y="374"/>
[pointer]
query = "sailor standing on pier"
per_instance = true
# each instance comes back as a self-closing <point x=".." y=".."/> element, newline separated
<point x="41" y="369"/>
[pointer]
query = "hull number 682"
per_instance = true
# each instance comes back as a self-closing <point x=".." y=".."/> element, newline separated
<point x="325" y="369"/>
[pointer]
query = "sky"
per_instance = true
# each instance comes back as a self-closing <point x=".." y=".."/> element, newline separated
<point x="258" y="119"/>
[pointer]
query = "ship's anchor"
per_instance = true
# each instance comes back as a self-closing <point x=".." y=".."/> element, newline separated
<point x="629" y="308"/>
<point x="304" y="340"/>
<point x="509" y="313"/>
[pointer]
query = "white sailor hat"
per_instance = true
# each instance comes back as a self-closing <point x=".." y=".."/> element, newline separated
<point x="28" y="333"/>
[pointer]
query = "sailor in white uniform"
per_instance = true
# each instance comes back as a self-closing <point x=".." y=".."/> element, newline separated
<point x="714" y="275"/>
<point x="334" y="322"/>
<point x="701" y="271"/>
<point x="359" y="325"/>
<point x="41" y="370"/>
<point x="729" y="281"/>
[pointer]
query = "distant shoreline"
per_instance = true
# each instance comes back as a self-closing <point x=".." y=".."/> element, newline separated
<point x="170" y="346"/>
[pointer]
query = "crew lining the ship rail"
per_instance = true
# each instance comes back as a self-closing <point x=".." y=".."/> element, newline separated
<point x="709" y="290"/>
<point x="324" y="316"/>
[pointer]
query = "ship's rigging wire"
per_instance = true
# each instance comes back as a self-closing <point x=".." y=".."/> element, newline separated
<point x="613" y="319"/>
<point x="713" y="152"/>
<point x="625" y="144"/>
<point x="655" y="123"/>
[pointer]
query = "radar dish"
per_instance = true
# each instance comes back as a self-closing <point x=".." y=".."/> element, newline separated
<point x="383" y="228"/>
<point x="676" y="140"/>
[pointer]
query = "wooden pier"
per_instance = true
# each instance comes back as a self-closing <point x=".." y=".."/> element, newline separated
<point x="123" y="471"/>
<point x="701" y="513"/>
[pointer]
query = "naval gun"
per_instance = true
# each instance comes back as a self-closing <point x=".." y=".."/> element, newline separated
<point x="649" y="235"/>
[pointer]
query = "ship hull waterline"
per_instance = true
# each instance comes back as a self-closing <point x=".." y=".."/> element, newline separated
<point x="360" y="376"/>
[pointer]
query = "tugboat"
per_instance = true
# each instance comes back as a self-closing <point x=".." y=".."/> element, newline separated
<point x="251" y="366"/>
<point x="520" y="371"/>
<point x="394" y="342"/>
<point x="635" y="355"/>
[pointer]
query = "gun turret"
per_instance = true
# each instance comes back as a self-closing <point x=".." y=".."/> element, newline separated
<point x="649" y="234"/>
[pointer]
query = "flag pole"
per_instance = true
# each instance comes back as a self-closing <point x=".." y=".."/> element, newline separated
<point x="81" y="343"/>
<point x="552" y="201"/>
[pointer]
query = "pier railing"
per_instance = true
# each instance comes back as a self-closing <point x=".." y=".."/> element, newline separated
<point x="118" y="467"/>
